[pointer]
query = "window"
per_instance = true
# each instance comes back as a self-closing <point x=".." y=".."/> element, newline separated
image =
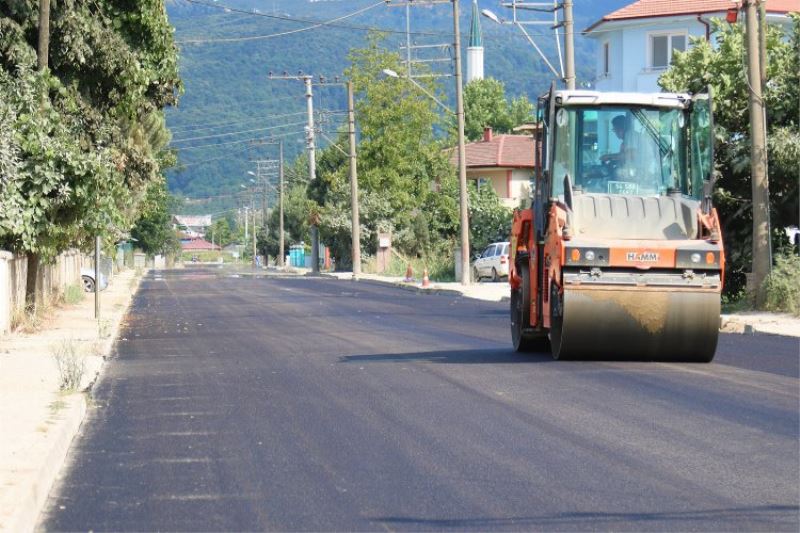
<point x="662" y="47"/>
<point x="606" y="59"/>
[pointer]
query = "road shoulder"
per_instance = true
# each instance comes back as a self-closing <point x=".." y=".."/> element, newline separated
<point x="39" y="421"/>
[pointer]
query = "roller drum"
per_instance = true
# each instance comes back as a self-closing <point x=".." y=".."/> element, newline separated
<point x="636" y="324"/>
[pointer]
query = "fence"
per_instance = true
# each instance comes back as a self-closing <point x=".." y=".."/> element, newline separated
<point x="51" y="282"/>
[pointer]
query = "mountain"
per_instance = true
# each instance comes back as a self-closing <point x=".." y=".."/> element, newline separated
<point x="229" y="98"/>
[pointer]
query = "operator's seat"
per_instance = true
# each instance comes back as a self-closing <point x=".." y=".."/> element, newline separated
<point x="611" y="216"/>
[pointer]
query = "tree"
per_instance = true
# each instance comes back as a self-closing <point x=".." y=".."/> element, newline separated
<point x="486" y="105"/>
<point x="153" y="230"/>
<point x="85" y="138"/>
<point x="490" y="221"/>
<point x="721" y="68"/>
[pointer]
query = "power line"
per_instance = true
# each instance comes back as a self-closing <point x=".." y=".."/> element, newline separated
<point x="250" y="139"/>
<point x="306" y="21"/>
<point x="280" y="34"/>
<point x="212" y="127"/>
<point x="238" y="132"/>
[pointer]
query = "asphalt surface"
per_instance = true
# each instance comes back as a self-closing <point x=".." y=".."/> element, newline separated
<point x="267" y="403"/>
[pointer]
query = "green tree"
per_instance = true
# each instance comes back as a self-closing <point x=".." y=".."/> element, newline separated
<point x="490" y="221"/>
<point x="85" y="138"/>
<point x="153" y="230"/>
<point x="486" y="105"/>
<point x="221" y="231"/>
<point x="721" y="67"/>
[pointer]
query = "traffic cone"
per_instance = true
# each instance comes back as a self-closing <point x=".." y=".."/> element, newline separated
<point x="425" y="281"/>
<point x="409" y="274"/>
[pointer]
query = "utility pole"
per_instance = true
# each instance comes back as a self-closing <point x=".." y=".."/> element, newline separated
<point x="462" y="153"/>
<point x="281" y="245"/>
<point x="312" y="162"/>
<point x="762" y="256"/>
<point x="312" y="171"/>
<point x="97" y="245"/>
<point x="255" y="257"/>
<point x="356" y="225"/>
<point x="569" y="46"/>
<point x="44" y="34"/>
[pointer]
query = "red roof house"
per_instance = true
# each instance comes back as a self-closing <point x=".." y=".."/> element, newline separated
<point x="198" y="244"/>
<point x="506" y="162"/>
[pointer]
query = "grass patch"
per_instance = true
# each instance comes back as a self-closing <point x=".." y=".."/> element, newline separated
<point x="70" y="364"/>
<point x="439" y="268"/>
<point x="74" y="294"/>
<point x="782" y="286"/>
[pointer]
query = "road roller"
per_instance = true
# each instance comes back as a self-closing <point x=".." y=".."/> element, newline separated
<point x="619" y="255"/>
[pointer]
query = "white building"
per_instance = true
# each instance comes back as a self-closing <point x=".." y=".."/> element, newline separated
<point x="475" y="46"/>
<point x="636" y="42"/>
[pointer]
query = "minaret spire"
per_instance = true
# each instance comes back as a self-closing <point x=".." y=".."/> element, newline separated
<point x="475" y="46"/>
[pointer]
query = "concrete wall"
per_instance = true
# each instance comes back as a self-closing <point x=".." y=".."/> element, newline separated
<point x="13" y="273"/>
<point x="51" y="282"/>
<point x="511" y="185"/>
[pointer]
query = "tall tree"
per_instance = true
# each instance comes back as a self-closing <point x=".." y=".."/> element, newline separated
<point x="486" y="105"/>
<point x="721" y="68"/>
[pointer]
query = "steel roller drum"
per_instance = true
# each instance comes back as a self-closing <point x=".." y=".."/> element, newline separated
<point x="637" y="324"/>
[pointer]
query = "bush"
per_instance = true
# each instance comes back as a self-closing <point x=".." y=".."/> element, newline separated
<point x="782" y="286"/>
<point x="73" y="294"/>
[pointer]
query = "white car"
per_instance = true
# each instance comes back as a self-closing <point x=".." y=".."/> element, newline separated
<point x="492" y="262"/>
<point x="87" y="275"/>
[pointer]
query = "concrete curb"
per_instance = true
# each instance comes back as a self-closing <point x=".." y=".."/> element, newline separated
<point x="26" y="513"/>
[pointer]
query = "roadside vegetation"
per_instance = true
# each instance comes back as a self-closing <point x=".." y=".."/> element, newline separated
<point x="83" y="142"/>
<point x="408" y="185"/>
<point x="719" y="66"/>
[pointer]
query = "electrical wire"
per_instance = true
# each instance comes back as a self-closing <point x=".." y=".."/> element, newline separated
<point x="213" y="127"/>
<point x="203" y="137"/>
<point x="318" y="23"/>
<point x="250" y="139"/>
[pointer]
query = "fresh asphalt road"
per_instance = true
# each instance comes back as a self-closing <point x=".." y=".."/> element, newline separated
<point x="268" y="403"/>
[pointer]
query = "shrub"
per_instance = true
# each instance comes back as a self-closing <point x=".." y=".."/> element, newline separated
<point x="73" y="294"/>
<point x="782" y="286"/>
<point x="70" y="365"/>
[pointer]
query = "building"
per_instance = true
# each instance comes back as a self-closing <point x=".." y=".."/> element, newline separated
<point x="636" y="42"/>
<point x="198" y="244"/>
<point x="506" y="162"/>
<point x="475" y="46"/>
<point x="192" y="226"/>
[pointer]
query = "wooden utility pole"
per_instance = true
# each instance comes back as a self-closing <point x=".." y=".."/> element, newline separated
<point x="569" y="46"/>
<point x="44" y="34"/>
<point x="356" y="226"/>
<point x="463" y="195"/>
<point x="762" y="256"/>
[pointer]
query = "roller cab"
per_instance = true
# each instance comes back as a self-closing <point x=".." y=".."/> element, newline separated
<point x="620" y="255"/>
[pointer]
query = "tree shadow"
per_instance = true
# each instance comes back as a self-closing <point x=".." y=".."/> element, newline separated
<point x="773" y="517"/>
<point x="462" y="357"/>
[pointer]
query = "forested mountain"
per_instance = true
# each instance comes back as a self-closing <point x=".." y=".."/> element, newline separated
<point x="230" y="102"/>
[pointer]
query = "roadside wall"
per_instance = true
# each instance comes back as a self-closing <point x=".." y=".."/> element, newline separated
<point x="13" y="274"/>
<point x="55" y="277"/>
<point x="51" y="282"/>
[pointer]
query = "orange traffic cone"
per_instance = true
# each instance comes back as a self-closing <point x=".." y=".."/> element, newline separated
<point x="425" y="281"/>
<point x="409" y="274"/>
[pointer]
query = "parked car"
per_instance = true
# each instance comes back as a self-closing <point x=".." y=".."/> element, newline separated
<point x="87" y="275"/>
<point x="492" y="262"/>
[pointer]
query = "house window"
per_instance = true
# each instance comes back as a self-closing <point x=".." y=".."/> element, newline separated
<point x="606" y="59"/>
<point x="662" y="47"/>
